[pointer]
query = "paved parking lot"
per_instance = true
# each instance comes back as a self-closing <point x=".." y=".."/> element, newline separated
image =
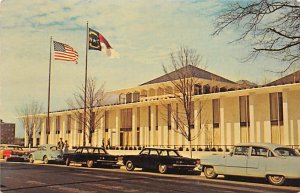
<point x="25" y="177"/>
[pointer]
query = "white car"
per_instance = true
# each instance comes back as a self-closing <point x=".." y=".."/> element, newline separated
<point x="274" y="162"/>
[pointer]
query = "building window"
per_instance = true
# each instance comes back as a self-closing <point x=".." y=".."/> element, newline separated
<point x="149" y="117"/>
<point x="69" y="119"/>
<point x="244" y="111"/>
<point x="80" y="123"/>
<point x="216" y="112"/>
<point x="106" y="119"/>
<point x="169" y="116"/>
<point x="156" y="117"/>
<point x="57" y="125"/>
<point x="197" y="89"/>
<point x="92" y="122"/>
<point x="192" y="116"/>
<point x="276" y="108"/>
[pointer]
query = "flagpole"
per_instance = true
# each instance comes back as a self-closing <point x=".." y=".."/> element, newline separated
<point x="85" y="82"/>
<point x="49" y="84"/>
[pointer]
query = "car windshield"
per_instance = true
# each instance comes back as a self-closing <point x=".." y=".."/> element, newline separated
<point x="283" y="151"/>
<point x="53" y="148"/>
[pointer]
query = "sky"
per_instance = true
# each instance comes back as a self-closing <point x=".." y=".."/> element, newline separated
<point x="143" y="32"/>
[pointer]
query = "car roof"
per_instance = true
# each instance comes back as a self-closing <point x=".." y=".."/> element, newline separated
<point x="90" y="147"/>
<point x="271" y="146"/>
<point x="160" y="148"/>
<point x="47" y="145"/>
<point x="9" y="145"/>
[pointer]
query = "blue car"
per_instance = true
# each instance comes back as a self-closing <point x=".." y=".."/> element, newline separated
<point x="47" y="153"/>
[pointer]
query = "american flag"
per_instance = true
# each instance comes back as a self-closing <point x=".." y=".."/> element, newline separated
<point x="64" y="52"/>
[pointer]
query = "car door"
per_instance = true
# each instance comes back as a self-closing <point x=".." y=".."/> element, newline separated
<point x="236" y="163"/>
<point x="142" y="159"/>
<point x="38" y="154"/>
<point x="257" y="161"/>
<point x="76" y="156"/>
<point x="153" y="159"/>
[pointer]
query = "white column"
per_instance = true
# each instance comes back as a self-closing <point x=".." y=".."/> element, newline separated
<point x="26" y="138"/>
<point x="142" y="136"/>
<point x="228" y="134"/>
<point x="153" y="122"/>
<point x="298" y="123"/>
<point x="43" y="133"/>
<point x="222" y="122"/>
<point x="267" y="131"/>
<point x="53" y="139"/>
<point x="74" y="133"/>
<point x="101" y="131"/>
<point x="197" y="120"/>
<point x="202" y="135"/>
<point x="258" y="132"/>
<point x="63" y="130"/>
<point x="173" y="124"/>
<point x="237" y="133"/>
<point x="165" y="135"/>
<point x="134" y="126"/>
<point x="292" y="132"/>
<point x="118" y="124"/>
<point x="286" y="133"/>
<point x="251" y="116"/>
<point x="34" y="138"/>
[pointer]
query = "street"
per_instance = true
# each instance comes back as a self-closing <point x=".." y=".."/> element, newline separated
<point x="25" y="177"/>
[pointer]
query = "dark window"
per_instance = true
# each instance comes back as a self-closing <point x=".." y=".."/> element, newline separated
<point x="145" y="152"/>
<point x="169" y="116"/>
<point x="276" y="108"/>
<point x="244" y="111"/>
<point x="259" y="151"/>
<point x="241" y="150"/>
<point x="197" y="89"/>
<point x="216" y="112"/>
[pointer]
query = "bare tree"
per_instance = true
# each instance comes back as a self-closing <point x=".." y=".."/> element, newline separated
<point x="272" y="25"/>
<point x="183" y="79"/>
<point x="95" y="97"/>
<point x="29" y="114"/>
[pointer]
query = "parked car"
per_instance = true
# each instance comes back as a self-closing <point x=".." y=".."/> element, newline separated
<point x="274" y="162"/>
<point x="47" y="153"/>
<point x="160" y="159"/>
<point x="13" y="152"/>
<point x="91" y="156"/>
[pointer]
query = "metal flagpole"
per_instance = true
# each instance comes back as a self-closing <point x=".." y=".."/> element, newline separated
<point x="48" y="112"/>
<point x="85" y="81"/>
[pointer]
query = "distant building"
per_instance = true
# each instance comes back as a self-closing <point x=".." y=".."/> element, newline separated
<point x="7" y="132"/>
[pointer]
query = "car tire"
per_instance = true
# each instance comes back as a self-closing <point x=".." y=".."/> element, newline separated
<point x="210" y="173"/>
<point x="90" y="163"/>
<point x="277" y="180"/>
<point x="45" y="160"/>
<point x="162" y="168"/>
<point x="68" y="161"/>
<point x="31" y="160"/>
<point x="129" y="165"/>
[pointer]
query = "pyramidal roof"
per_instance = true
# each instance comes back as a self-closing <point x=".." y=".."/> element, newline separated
<point x="191" y="71"/>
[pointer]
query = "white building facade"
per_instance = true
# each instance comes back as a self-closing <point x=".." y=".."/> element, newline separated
<point x="230" y="113"/>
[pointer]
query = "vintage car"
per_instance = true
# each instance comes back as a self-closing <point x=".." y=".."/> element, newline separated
<point x="160" y="159"/>
<point x="47" y="153"/>
<point x="91" y="156"/>
<point x="274" y="162"/>
<point x="13" y="152"/>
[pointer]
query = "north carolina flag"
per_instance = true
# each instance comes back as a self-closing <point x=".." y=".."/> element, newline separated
<point x="98" y="42"/>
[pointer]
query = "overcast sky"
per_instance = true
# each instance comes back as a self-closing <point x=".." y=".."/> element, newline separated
<point x="143" y="32"/>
